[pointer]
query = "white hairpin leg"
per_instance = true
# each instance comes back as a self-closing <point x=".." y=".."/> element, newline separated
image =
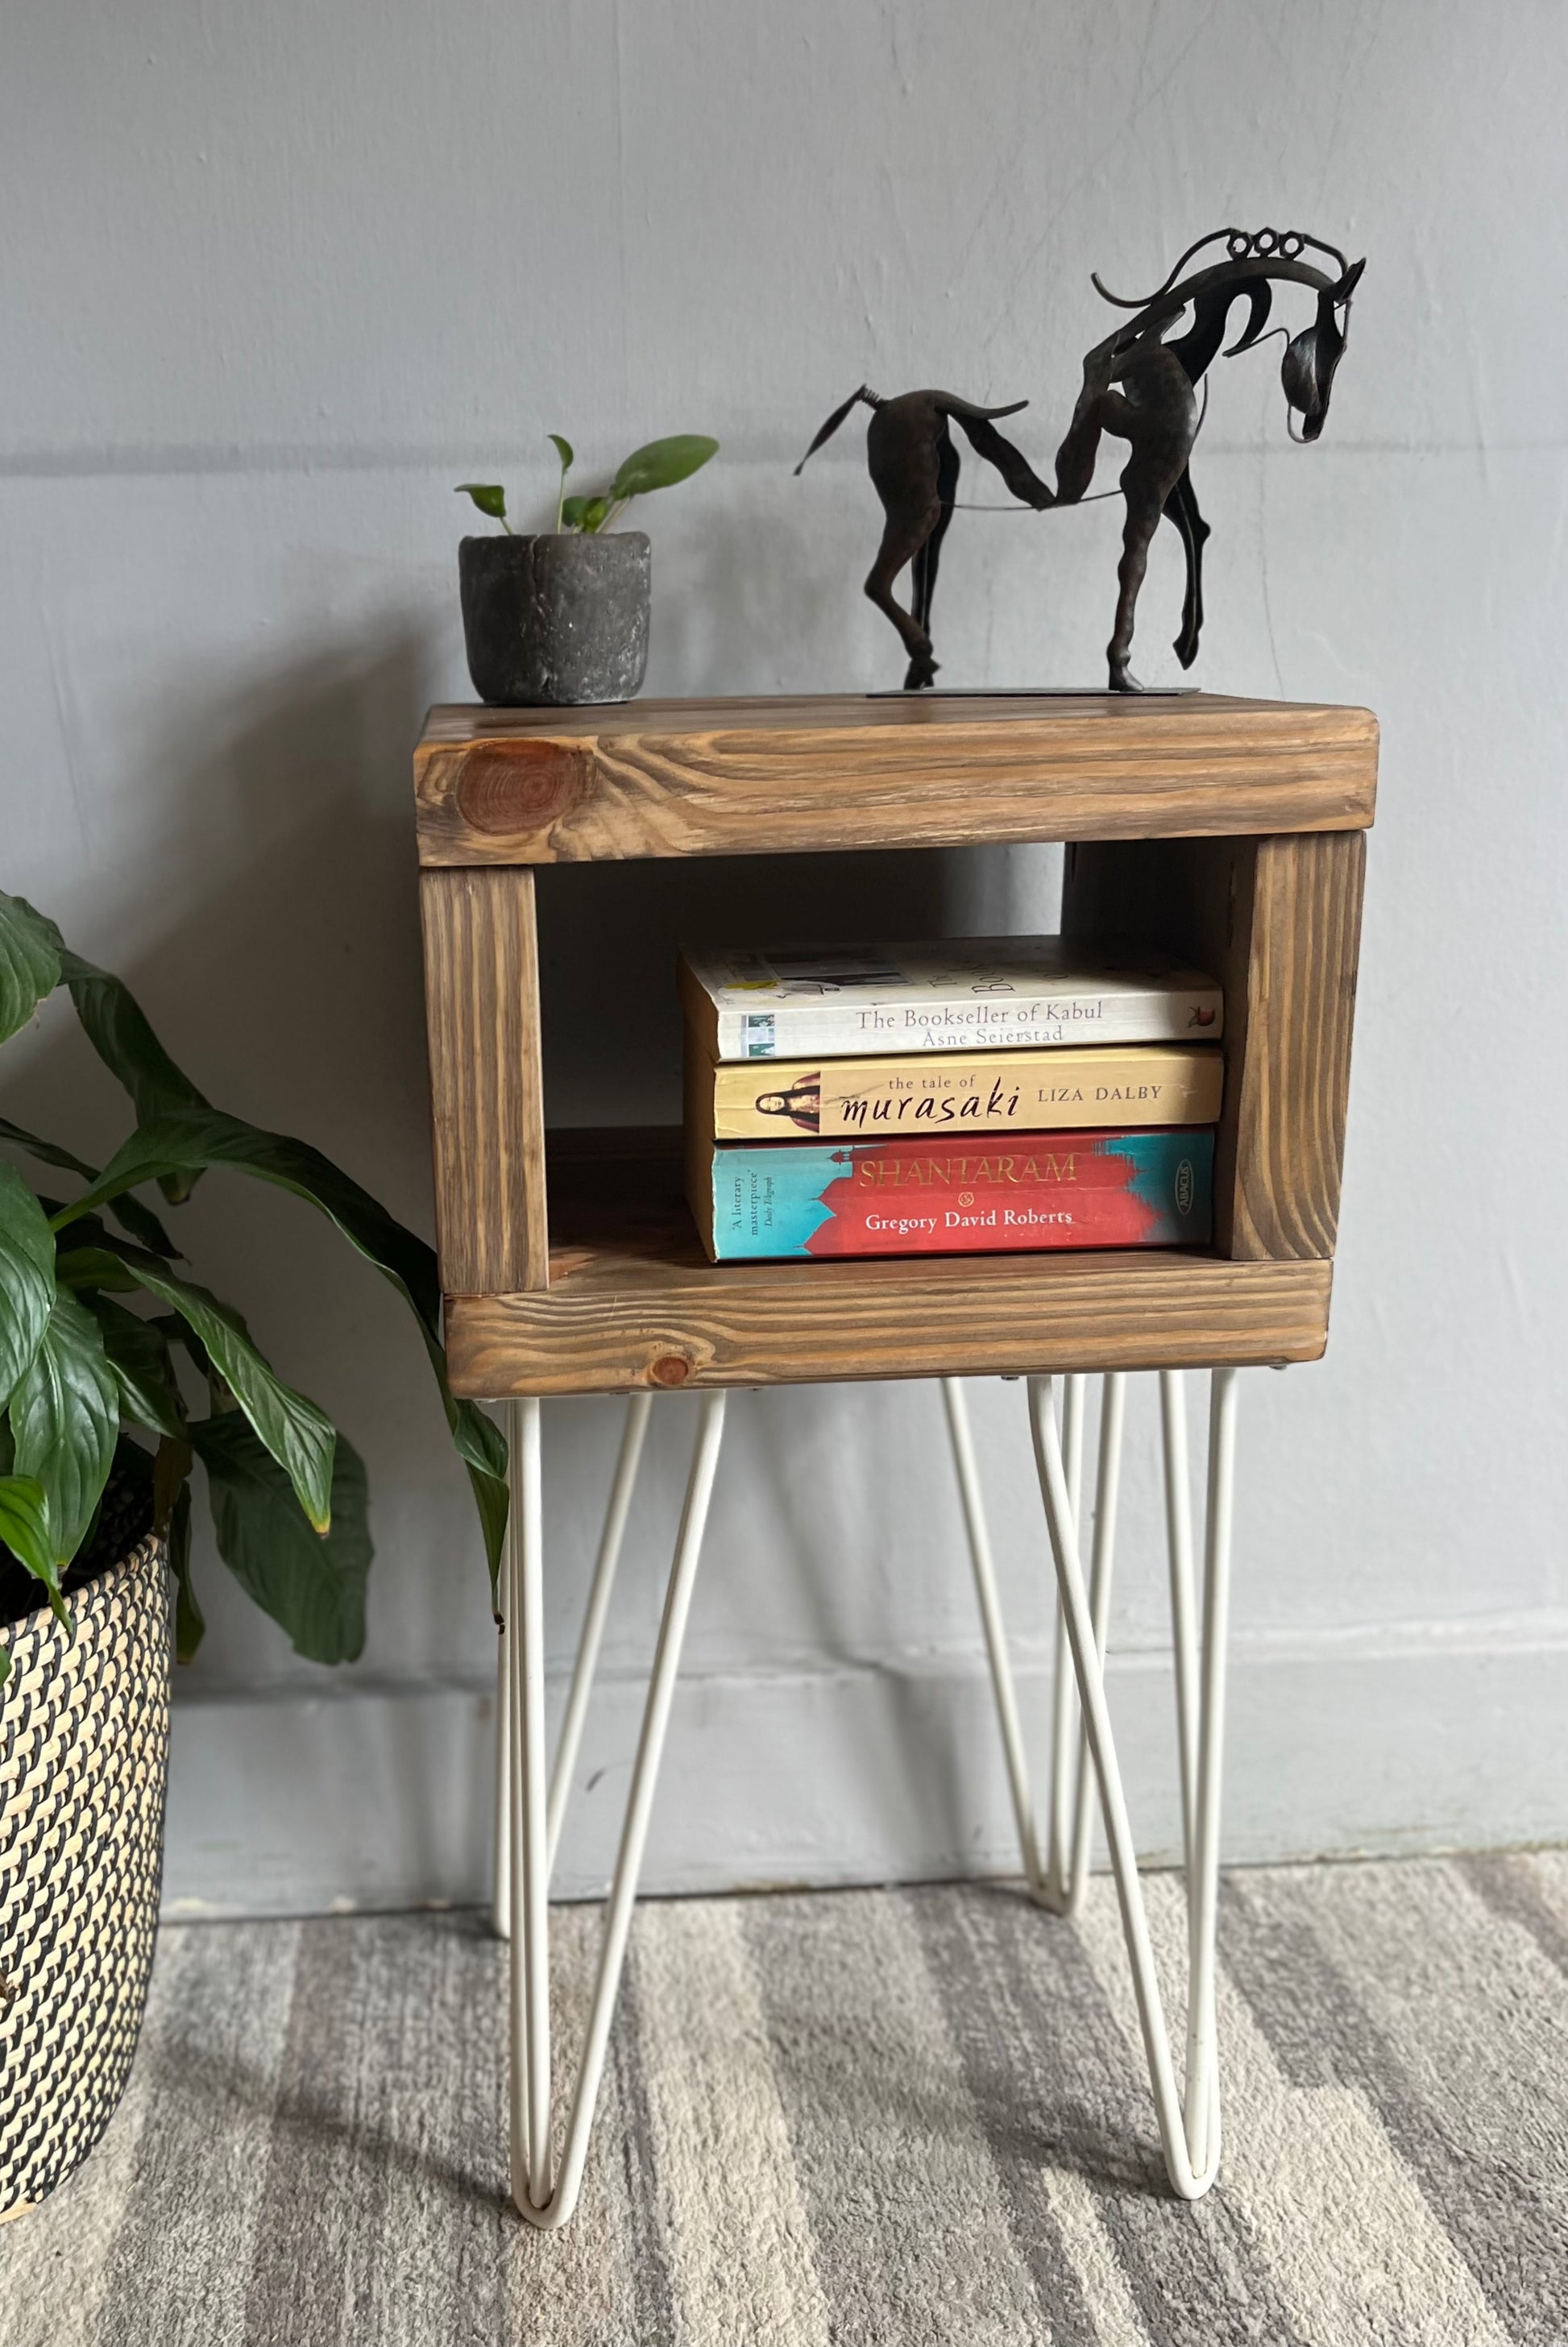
<point x="1035" y="1872"/>
<point x="1062" y="1893"/>
<point x="588" y="1643"/>
<point x="1189" y="2124"/>
<point x="501" y="1875"/>
<point x="545" y="2195"/>
<point x="1057" y="1880"/>
<point x="1053" y="1880"/>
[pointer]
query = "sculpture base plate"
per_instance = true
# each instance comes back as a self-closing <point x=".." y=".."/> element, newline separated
<point x="1030" y="692"/>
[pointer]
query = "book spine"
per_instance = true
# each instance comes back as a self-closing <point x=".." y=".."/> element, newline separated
<point x="960" y="1023"/>
<point x="955" y="1092"/>
<point x="810" y="1200"/>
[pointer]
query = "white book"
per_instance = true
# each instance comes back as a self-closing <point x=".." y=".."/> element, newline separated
<point x="963" y="994"/>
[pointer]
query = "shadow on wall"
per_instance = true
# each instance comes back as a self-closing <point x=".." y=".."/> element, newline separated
<point x="608" y="939"/>
<point x="287" y="984"/>
<point x="609" y="935"/>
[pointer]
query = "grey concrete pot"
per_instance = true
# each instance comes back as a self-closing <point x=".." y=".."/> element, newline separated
<point x="560" y="620"/>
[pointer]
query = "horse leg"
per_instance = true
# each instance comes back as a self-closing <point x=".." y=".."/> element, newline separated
<point x="924" y="571"/>
<point x="1075" y="458"/>
<point x="1181" y="509"/>
<point x="1145" y="500"/>
<point x="903" y="539"/>
<point x="1157" y="414"/>
<point x="1011" y="463"/>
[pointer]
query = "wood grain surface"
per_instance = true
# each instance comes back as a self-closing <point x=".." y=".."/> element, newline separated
<point x="770" y="776"/>
<point x="633" y="1302"/>
<point x="1277" y="921"/>
<point x="1301" y="994"/>
<point x="482" y="1016"/>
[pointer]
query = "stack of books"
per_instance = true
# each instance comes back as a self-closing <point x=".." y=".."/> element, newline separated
<point x="990" y="1093"/>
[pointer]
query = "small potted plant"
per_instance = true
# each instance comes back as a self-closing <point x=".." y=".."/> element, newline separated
<point x="560" y="618"/>
<point x="118" y="1373"/>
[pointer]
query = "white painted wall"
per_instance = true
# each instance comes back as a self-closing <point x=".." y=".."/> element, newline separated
<point x="275" y="279"/>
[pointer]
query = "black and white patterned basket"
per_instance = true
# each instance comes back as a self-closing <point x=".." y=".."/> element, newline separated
<point x="84" y="1751"/>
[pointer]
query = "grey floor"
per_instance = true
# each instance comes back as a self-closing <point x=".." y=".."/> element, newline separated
<point x="889" y="2116"/>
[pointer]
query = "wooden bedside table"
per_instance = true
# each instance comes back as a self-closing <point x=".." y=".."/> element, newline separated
<point x="1229" y="832"/>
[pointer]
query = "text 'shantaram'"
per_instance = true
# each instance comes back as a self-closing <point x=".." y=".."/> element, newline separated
<point x="903" y="1197"/>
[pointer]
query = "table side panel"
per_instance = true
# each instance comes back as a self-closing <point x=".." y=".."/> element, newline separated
<point x="1304" y="949"/>
<point x="482" y="1016"/>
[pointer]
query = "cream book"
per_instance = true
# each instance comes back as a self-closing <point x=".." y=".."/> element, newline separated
<point x="951" y="1091"/>
<point x="966" y="994"/>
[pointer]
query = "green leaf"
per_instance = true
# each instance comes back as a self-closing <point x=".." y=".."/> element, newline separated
<point x="172" y="1516"/>
<point x="595" y="514"/>
<point x="25" y="1527"/>
<point x="129" y="1211"/>
<point x="64" y="1416"/>
<point x="297" y="1434"/>
<point x="487" y="496"/>
<point x="482" y="1447"/>
<point x="144" y="1226"/>
<point x="117" y="1029"/>
<point x="191" y="1139"/>
<point x="299" y="1437"/>
<point x="171" y="1463"/>
<point x="85" y="1268"/>
<point x="179" y="1332"/>
<point x="662" y="464"/>
<point x="188" y="1140"/>
<point x="563" y="450"/>
<point x="190" y="1628"/>
<point x="139" y="1355"/>
<point x="314" y="1588"/>
<point x="115" y="1024"/>
<point x="29" y="962"/>
<point x="47" y="1152"/>
<point x="27" y="1278"/>
<point x="572" y="511"/>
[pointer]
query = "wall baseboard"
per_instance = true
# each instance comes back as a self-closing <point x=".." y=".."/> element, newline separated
<point x="291" y="1803"/>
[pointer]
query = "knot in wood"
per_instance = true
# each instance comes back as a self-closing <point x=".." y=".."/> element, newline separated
<point x="520" y="786"/>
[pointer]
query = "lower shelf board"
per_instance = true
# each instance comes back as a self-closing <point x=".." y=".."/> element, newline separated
<point x="633" y="1303"/>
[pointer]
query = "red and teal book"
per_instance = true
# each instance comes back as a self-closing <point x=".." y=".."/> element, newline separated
<point x="913" y="1196"/>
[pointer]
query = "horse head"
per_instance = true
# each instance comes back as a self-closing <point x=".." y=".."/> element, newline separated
<point x="1253" y="257"/>
<point x="1306" y="371"/>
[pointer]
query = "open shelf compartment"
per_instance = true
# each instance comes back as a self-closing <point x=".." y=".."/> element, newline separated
<point x="1229" y="833"/>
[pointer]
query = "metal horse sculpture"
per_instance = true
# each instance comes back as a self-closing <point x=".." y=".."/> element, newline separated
<point x="1137" y="388"/>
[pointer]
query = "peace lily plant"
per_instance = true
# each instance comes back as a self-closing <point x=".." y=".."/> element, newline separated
<point x="86" y="1366"/>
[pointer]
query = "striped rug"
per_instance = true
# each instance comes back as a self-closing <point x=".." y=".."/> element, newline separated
<point x="878" y="2116"/>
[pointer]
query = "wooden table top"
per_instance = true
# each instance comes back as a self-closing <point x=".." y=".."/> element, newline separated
<point x="782" y="775"/>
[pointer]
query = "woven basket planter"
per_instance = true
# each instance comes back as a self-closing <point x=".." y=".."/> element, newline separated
<point x="84" y="1750"/>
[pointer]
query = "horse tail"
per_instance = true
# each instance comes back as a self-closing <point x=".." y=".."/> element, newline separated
<point x="950" y="403"/>
<point x="871" y="399"/>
